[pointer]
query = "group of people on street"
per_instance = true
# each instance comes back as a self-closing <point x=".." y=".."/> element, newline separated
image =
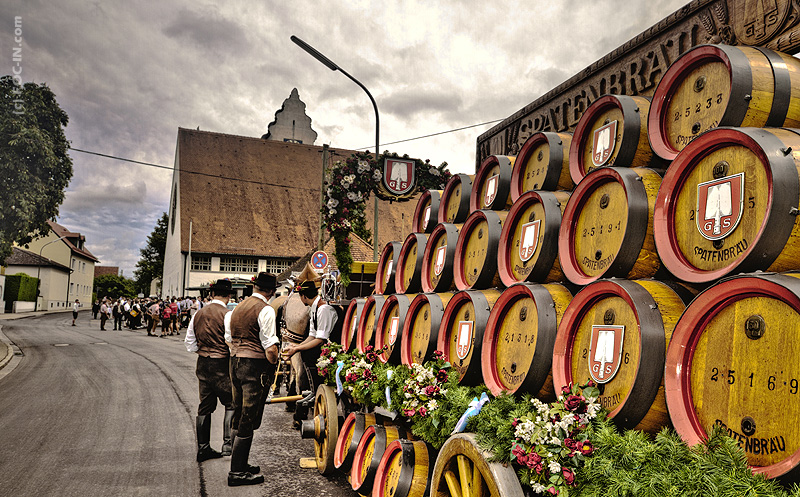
<point x="238" y="352"/>
<point x="171" y="313"/>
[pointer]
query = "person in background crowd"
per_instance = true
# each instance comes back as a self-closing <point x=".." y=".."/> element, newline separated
<point x="205" y="335"/>
<point x="174" y="317"/>
<point x="250" y="331"/>
<point x="166" y="319"/>
<point x="126" y="313"/>
<point x="75" y="307"/>
<point x="95" y="308"/>
<point x="104" y="312"/>
<point x="154" y="311"/>
<point x="116" y="313"/>
<point x="194" y="307"/>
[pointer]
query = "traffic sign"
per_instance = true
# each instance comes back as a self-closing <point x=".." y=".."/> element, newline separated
<point x="319" y="260"/>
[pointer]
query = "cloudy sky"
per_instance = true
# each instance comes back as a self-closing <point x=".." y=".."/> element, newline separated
<point x="129" y="74"/>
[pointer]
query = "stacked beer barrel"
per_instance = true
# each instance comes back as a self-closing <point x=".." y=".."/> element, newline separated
<point x="640" y="252"/>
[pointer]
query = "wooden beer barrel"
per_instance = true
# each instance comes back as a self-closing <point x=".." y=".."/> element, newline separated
<point x="517" y="350"/>
<point x="408" y="276"/>
<point x="492" y="184"/>
<point x="426" y="214"/>
<point x="733" y="362"/>
<point x="461" y="332"/>
<point x="719" y="85"/>
<point x="475" y="264"/>
<point x="616" y="332"/>
<point x="387" y="268"/>
<point x="350" y="435"/>
<point x="454" y="203"/>
<point x="542" y="164"/>
<point x="528" y="246"/>
<point x="389" y="328"/>
<point x="421" y="327"/>
<point x="350" y="323"/>
<point x="612" y="132"/>
<point x="368" y="455"/>
<point x="728" y="204"/>
<point x="404" y="470"/>
<point x="463" y="469"/>
<point x="607" y="227"/>
<point x="367" y="321"/>
<point x="438" y="259"/>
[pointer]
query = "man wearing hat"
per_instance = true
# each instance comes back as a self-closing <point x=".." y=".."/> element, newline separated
<point x="321" y="326"/>
<point x="250" y="331"/>
<point x="206" y="336"/>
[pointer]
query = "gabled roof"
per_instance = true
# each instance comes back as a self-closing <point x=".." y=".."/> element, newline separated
<point x="274" y="210"/>
<point x="22" y="257"/>
<point x="73" y="240"/>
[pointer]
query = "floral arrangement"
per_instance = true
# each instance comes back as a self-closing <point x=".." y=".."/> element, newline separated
<point x="424" y="388"/>
<point x="360" y="374"/>
<point x="330" y="354"/>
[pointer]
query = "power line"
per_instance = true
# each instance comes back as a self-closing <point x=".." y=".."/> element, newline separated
<point x="436" y="134"/>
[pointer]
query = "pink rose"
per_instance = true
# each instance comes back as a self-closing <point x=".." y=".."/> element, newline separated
<point x="573" y="402"/>
<point x="553" y="490"/>
<point x="423" y="411"/>
<point x="568" y="475"/>
<point x="586" y="448"/>
<point x="441" y="376"/>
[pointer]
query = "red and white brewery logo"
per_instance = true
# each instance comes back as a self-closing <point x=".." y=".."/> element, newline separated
<point x="491" y="190"/>
<point x="426" y="218"/>
<point x="438" y="265"/>
<point x="603" y="141"/>
<point x="393" y="329"/>
<point x="719" y="206"/>
<point x="529" y="239"/>
<point x="464" y="339"/>
<point x="398" y="175"/>
<point x="605" y="352"/>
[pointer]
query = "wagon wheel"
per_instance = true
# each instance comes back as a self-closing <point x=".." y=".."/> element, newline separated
<point x="326" y="428"/>
<point x="461" y="470"/>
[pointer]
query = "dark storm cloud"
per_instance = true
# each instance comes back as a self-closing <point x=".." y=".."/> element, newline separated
<point x="208" y="29"/>
<point x="408" y="103"/>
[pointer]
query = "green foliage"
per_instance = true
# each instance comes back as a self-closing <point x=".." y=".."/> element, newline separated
<point x="492" y="426"/>
<point x="437" y="427"/>
<point x="34" y="165"/>
<point x="112" y="285"/>
<point x="20" y="287"/>
<point x="151" y="263"/>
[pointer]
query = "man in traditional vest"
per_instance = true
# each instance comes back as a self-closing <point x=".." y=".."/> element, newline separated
<point x="321" y="325"/>
<point x="206" y="336"/>
<point x="250" y="331"/>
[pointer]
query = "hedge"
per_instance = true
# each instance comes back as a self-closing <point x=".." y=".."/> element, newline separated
<point x="20" y="286"/>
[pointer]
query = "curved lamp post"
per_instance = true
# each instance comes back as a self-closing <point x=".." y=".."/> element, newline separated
<point x="333" y="67"/>
<point x="39" y="271"/>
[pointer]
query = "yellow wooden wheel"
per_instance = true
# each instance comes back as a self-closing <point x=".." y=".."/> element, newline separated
<point x="462" y="470"/>
<point x="326" y="428"/>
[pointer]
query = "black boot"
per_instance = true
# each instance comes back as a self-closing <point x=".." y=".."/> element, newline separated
<point x="239" y="474"/>
<point x="204" y="450"/>
<point x="227" y="436"/>
<point x="251" y="468"/>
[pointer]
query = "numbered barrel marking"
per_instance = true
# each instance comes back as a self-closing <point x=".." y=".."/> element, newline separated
<point x="453" y="204"/>
<point x="710" y="255"/>
<point x="476" y="249"/>
<point x="616" y="390"/>
<point x="394" y="467"/>
<point x="521" y="268"/>
<point x="410" y="264"/>
<point x="420" y="337"/>
<point x="599" y="230"/>
<point x="534" y="172"/>
<point x="603" y="118"/>
<point x="516" y="342"/>
<point x="735" y="377"/>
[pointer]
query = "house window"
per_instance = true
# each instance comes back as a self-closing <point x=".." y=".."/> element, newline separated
<point x="277" y="266"/>
<point x="201" y="263"/>
<point x="238" y="264"/>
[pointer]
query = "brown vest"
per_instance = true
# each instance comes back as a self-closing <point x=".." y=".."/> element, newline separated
<point x="244" y="329"/>
<point x="209" y="328"/>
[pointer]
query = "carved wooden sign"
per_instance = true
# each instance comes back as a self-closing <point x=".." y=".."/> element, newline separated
<point x="636" y="67"/>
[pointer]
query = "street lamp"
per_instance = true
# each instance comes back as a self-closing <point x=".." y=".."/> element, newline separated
<point x="39" y="271"/>
<point x="333" y="67"/>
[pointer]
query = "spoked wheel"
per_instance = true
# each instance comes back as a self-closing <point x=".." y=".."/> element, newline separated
<point x="462" y="470"/>
<point x="326" y="428"/>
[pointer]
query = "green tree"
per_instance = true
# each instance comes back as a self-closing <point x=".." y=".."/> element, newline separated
<point x="112" y="285"/>
<point x="151" y="263"/>
<point x="34" y="165"/>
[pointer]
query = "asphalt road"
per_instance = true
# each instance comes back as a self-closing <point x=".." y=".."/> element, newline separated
<point x="98" y="413"/>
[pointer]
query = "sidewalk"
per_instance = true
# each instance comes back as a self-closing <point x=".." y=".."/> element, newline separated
<point x="6" y="347"/>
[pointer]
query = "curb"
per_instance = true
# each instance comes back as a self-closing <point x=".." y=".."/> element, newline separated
<point x="6" y="343"/>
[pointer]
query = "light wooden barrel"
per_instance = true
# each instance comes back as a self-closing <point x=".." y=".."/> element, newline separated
<point x="719" y="85"/>
<point x="367" y="321"/>
<point x="454" y="203"/>
<point x="492" y="184"/>
<point x="350" y="433"/>
<point x="438" y="259"/>
<point x="733" y="362"/>
<point x="616" y="332"/>
<point x="350" y="323"/>
<point x="404" y="470"/>
<point x="387" y="268"/>
<point x="368" y="455"/>
<point x="475" y="264"/>
<point x="728" y="204"/>
<point x="612" y="132"/>
<point x="421" y="327"/>
<point x="517" y="351"/>
<point x="607" y="226"/>
<point x="542" y="164"/>
<point x="426" y="214"/>
<point x="389" y="327"/>
<point x="408" y="276"/>
<point x="461" y="332"/>
<point x="528" y="246"/>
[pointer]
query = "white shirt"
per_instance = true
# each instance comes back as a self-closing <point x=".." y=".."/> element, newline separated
<point x="74" y="307"/>
<point x="266" y="325"/>
<point x="191" y="340"/>
<point x="323" y="319"/>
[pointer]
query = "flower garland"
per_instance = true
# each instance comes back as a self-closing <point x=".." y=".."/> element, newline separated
<point x="425" y="387"/>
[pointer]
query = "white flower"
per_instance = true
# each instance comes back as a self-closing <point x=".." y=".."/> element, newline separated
<point x="376" y="175"/>
<point x="333" y="355"/>
<point x="350" y="178"/>
<point x="538" y="488"/>
<point x="332" y="212"/>
<point x="332" y="203"/>
<point x="363" y="166"/>
<point x="345" y="183"/>
<point x="554" y="467"/>
<point x="435" y="171"/>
